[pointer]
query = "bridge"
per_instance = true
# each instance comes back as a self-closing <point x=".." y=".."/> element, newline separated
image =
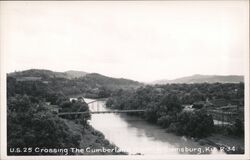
<point x="95" y="108"/>
<point x="82" y="99"/>
<point x="94" y="101"/>
<point x="100" y="112"/>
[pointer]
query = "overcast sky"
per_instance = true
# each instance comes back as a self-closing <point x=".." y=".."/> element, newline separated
<point x="144" y="41"/>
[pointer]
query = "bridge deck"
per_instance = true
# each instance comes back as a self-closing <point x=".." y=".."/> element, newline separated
<point x="101" y="99"/>
<point x="93" y="101"/>
<point x="101" y="112"/>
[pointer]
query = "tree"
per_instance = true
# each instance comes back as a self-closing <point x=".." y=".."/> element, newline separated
<point x="165" y="121"/>
<point x="195" y="124"/>
<point x="33" y="125"/>
<point x="76" y="106"/>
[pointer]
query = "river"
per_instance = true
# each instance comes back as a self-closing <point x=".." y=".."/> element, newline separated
<point x="136" y="136"/>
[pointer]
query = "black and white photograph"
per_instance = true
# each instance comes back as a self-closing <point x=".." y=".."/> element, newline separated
<point x="124" y="79"/>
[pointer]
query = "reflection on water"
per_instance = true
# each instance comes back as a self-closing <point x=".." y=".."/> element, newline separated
<point x="134" y="135"/>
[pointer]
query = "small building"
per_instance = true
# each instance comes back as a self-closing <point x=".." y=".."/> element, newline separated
<point x="48" y="103"/>
<point x="188" y="108"/>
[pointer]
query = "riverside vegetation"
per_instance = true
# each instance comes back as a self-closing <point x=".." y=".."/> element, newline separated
<point x="31" y="121"/>
<point x="163" y="105"/>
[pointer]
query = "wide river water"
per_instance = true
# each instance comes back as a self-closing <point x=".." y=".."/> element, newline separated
<point x="136" y="136"/>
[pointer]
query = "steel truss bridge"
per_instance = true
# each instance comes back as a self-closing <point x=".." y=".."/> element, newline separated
<point x="99" y="112"/>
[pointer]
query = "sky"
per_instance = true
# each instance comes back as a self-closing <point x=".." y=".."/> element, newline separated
<point x="143" y="41"/>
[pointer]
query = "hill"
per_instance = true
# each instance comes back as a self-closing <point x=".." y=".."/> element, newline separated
<point x="47" y="74"/>
<point x="92" y="85"/>
<point x="75" y="74"/>
<point x="44" y="74"/>
<point x="95" y="80"/>
<point x="204" y="79"/>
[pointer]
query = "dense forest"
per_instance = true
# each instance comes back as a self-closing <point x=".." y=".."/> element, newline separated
<point x="32" y="120"/>
<point x="33" y="97"/>
<point x="164" y="106"/>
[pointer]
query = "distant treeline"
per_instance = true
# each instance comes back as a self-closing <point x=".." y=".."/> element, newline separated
<point x="91" y="85"/>
<point x="163" y="105"/>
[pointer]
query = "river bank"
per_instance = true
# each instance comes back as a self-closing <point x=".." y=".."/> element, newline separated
<point x="93" y="142"/>
<point x="138" y="137"/>
<point x="137" y="129"/>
